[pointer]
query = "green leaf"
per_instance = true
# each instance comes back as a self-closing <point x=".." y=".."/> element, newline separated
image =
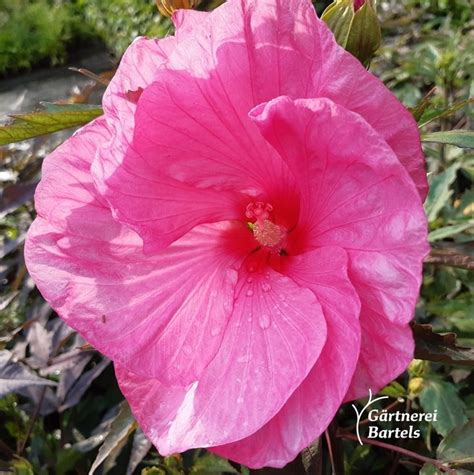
<point x="394" y="390"/>
<point x="430" y="469"/>
<point x="461" y="307"/>
<point x="421" y="107"/>
<point x="153" y="471"/>
<point x="441" y="114"/>
<point x="460" y="138"/>
<point x="439" y="192"/>
<point x="53" y="107"/>
<point x="34" y="124"/>
<point x="210" y="463"/>
<point x="448" y="231"/>
<point x="21" y="466"/>
<point x="174" y="464"/>
<point x="66" y="460"/>
<point x="442" y="397"/>
<point x="120" y="429"/>
<point x="458" y="447"/>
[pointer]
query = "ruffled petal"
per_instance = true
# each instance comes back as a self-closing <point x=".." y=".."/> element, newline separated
<point x="194" y="168"/>
<point x="162" y="315"/>
<point x="261" y="49"/>
<point x="187" y="20"/>
<point x="176" y="208"/>
<point x="313" y="405"/>
<point x="160" y="208"/>
<point x="349" y="84"/>
<point x="136" y="71"/>
<point x="360" y="199"/>
<point x="386" y="351"/>
<point x="275" y="335"/>
<point x="224" y="64"/>
<point x="66" y="184"/>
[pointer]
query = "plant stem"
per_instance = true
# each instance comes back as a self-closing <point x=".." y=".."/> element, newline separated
<point x="451" y="256"/>
<point x="32" y="422"/>
<point x="5" y="449"/>
<point x="336" y="454"/>
<point x="400" y="450"/>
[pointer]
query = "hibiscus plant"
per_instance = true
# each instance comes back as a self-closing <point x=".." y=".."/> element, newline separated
<point x="244" y="258"/>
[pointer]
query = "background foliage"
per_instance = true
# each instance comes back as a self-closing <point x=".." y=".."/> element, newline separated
<point x="60" y="409"/>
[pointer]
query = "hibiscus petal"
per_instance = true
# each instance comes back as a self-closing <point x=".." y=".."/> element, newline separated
<point x="66" y="183"/>
<point x="209" y="145"/>
<point x="186" y="20"/>
<point x="386" y="351"/>
<point x="136" y="71"/>
<point x="177" y="208"/>
<point x="161" y="209"/>
<point x="312" y="406"/>
<point x="362" y="92"/>
<point x="195" y="167"/>
<point x="275" y="335"/>
<point x="224" y="72"/>
<point x="162" y="315"/>
<point x="362" y="200"/>
<point x="261" y="49"/>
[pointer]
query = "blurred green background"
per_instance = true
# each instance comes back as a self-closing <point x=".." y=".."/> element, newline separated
<point x="42" y="32"/>
<point x="61" y="430"/>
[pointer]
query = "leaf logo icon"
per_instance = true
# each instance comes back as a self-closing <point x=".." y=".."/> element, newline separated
<point x="359" y="414"/>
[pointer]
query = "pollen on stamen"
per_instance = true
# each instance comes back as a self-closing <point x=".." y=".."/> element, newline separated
<point x="265" y="231"/>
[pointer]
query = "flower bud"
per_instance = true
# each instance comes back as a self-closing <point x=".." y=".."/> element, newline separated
<point x="417" y="368"/>
<point x="167" y="7"/>
<point x="355" y="26"/>
<point x="415" y="386"/>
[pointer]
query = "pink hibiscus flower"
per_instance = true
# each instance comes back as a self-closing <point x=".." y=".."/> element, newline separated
<point x="242" y="232"/>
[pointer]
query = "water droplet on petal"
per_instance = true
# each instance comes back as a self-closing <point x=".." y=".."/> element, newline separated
<point x="266" y="287"/>
<point x="240" y="400"/>
<point x="215" y="331"/>
<point x="264" y="321"/>
<point x="249" y="293"/>
<point x="250" y="280"/>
